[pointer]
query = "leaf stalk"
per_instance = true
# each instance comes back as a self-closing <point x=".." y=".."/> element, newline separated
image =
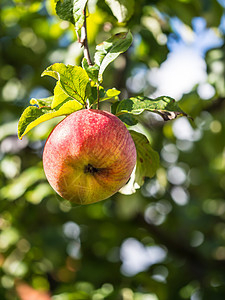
<point x="98" y="97"/>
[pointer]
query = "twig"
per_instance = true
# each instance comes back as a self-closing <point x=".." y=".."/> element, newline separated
<point x="78" y="37"/>
<point x="83" y="40"/>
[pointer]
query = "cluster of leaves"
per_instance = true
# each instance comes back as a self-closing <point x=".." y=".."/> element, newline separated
<point x="80" y="88"/>
<point x="72" y="11"/>
<point x="76" y="87"/>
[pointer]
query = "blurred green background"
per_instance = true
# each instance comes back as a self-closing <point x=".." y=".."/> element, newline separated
<point x="166" y="241"/>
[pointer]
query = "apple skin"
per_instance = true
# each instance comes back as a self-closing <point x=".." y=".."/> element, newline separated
<point x="89" y="156"/>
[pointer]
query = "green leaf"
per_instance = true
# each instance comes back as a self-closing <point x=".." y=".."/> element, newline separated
<point x="72" y="11"/>
<point x="164" y="106"/>
<point x="78" y="9"/>
<point x="33" y="116"/>
<point x="146" y="165"/>
<point x="59" y="96"/>
<point x="73" y="80"/>
<point x="42" y="102"/>
<point x="128" y="119"/>
<point x="64" y="9"/>
<point x="93" y="98"/>
<point x="147" y="158"/>
<point x="121" y="9"/>
<point x="110" y="49"/>
<point x="102" y="94"/>
<point x="92" y="71"/>
<point x="111" y="93"/>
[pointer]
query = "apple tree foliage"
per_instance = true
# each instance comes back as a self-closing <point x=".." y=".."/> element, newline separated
<point x="165" y="240"/>
<point x="81" y="87"/>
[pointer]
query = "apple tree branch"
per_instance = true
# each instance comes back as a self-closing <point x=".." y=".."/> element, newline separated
<point x="83" y="39"/>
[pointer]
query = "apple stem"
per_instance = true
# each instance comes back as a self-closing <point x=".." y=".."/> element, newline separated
<point x="83" y="39"/>
<point x="98" y="96"/>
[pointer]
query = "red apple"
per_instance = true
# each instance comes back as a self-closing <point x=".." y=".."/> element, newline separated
<point x="89" y="156"/>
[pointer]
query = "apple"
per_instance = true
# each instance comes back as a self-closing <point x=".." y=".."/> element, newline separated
<point x="89" y="156"/>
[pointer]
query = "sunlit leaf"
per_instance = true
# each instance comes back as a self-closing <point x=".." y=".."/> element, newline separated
<point x="33" y="116"/>
<point x="164" y="106"/>
<point x="42" y="102"/>
<point x="146" y="165"/>
<point x="122" y="9"/>
<point x="102" y="94"/>
<point x="71" y="11"/>
<point x="78" y="12"/>
<point x="112" y="93"/>
<point x="59" y="96"/>
<point x="147" y="158"/>
<point x="95" y="93"/>
<point x="110" y="49"/>
<point x="73" y="80"/>
<point x="92" y="71"/>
